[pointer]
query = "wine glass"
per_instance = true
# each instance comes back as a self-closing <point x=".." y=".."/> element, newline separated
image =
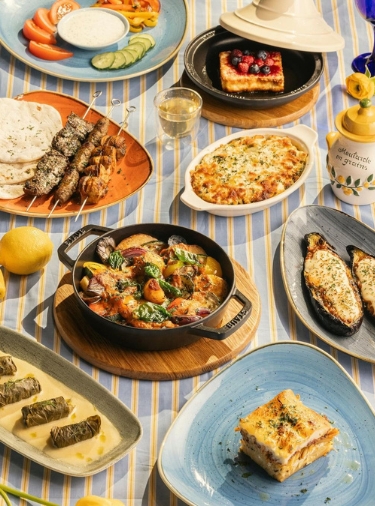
<point x="367" y="10"/>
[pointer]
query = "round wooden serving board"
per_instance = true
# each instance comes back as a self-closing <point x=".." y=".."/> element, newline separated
<point x="202" y="356"/>
<point x="227" y="114"/>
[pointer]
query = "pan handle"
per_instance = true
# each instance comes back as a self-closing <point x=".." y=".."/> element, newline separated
<point x="76" y="238"/>
<point x="230" y="327"/>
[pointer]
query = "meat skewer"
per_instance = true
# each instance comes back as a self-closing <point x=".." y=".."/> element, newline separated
<point x="69" y="182"/>
<point x="51" y="167"/>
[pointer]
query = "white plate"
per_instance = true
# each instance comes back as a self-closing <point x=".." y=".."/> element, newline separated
<point x="340" y="230"/>
<point x="122" y="418"/>
<point x="301" y="134"/>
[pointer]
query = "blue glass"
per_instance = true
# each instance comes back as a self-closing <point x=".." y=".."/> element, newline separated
<point x="367" y="10"/>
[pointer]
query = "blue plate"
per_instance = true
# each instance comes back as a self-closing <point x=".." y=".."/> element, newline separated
<point x="168" y="34"/>
<point x="199" y="458"/>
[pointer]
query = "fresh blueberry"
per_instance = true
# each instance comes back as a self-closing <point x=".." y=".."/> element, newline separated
<point x="246" y="52"/>
<point x="265" y="69"/>
<point x="236" y="60"/>
<point x="262" y="54"/>
<point x="254" y="69"/>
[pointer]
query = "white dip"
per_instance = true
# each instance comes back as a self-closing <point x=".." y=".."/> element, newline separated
<point x="91" y="28"/>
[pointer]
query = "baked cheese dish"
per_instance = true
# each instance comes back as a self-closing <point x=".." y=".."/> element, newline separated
<point x="248" y="169"/>
<point x="254" y="76"/>
<point x="284" y="435"/>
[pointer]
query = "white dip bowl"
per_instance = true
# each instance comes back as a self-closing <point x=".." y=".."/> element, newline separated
<point x="93" y="28"/>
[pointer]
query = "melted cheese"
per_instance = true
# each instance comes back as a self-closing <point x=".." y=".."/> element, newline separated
<point x="365" y="273"/>
<point x="248" y="169"/>
<point x="326" y="271"/>
<point x="284" y="426"/>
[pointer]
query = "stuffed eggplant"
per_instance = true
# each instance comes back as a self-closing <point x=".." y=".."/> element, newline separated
<point x="46" y="411"/>
<point x="75" y="432"/>
<point x="7" y="366"/>
<point x="333" y="292"/>
<point x="363" y="270"/>
<point x="14" y="391"/>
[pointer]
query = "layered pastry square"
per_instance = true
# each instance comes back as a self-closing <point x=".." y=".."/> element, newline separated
<point x="284" y="435"/>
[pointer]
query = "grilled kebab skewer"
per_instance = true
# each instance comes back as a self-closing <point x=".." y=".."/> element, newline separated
<point x="94" y="186"/>
<point x="51" y="167"/>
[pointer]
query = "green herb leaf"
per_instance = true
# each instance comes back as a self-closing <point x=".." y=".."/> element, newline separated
<point x="150" y="312"/>
<point x="186" y="256"/>
<point x="116" y="259"/>
<point x="152" y="271"/>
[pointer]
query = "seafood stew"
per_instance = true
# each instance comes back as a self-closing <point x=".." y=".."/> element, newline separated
<point x="213" y="325"/>
<point x="148" y="283"/>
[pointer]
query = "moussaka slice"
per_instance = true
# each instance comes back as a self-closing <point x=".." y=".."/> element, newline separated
<point x="284" y="435"/>
<point x="249" y="72"/>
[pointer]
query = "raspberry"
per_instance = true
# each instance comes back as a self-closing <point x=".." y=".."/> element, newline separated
<point x="243" y="67"/>
<point x="236" y="52"/>
<point x="269" y="62"/>
<point x="259" y="62"/>
<point x="248" y="59"/>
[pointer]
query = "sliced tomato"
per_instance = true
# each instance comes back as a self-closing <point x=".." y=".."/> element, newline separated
<point x="41" y="19"/>
<point x="155" y="5"/>
<point x="33" y="32"/>
<point x="60" y="8"/>
<point x="48" y="51"/>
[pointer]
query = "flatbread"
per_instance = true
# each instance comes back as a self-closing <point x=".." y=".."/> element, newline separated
<point x="26" y="129"/>
<point x="11" y="191"/>
<point x="14" y="173"/>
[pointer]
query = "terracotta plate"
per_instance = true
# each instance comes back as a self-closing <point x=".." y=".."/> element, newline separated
<point x="133" y="171"/>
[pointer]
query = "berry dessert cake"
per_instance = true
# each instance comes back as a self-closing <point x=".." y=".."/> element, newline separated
<point x="246" y="71"/>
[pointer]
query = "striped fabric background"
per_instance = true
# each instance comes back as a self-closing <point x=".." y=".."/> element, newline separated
<point x="251" y="240"/>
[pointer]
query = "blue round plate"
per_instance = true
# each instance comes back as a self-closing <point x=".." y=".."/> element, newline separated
<point x="200" y="460"/>
<point x="168" y="34"/>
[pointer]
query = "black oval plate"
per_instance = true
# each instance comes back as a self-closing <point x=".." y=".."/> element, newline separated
<point x="302" y="70"/>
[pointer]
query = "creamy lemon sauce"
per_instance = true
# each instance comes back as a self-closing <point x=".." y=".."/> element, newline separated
<point x="81" y="453"/>
<point x="92" y="28"/>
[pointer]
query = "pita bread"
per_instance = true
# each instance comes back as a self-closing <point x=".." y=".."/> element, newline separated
<point x="14" y="173"/>
<point x="11" y="191"/>
<point x="26" y="129"/>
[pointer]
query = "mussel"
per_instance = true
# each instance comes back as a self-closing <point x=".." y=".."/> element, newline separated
<point x="333" y="292"/>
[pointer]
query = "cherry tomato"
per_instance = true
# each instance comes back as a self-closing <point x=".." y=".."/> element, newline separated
<point x="48" y="51"/>
<point x="32" y="32"/>
<point x="60" y="8"/>
<point x="42" y="20"/>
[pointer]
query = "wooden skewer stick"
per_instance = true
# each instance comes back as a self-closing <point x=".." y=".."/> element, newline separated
<point x="94" y="97"/>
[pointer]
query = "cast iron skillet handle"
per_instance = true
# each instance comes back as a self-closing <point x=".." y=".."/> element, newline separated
<point x="74" y="239"/>
<point x="230" y="327"/>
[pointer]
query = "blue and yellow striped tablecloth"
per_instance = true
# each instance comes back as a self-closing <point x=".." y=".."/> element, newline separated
<point x="252" y="240"/>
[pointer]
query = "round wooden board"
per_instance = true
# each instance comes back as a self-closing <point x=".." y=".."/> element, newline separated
<point x="227" y="114"/>
<point x="202" y="356"/>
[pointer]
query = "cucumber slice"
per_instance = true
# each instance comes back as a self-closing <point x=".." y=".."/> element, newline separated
<point x="103" y="61"/>
<point x="138" y="47"/>
<point x="119" y="61"/>
<point x="142" y="40"/>
<point x="129" y="56"/>
<point x="133" y="51"/>
<point x="146" y="36"/>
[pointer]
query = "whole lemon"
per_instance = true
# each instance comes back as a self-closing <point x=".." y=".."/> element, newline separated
<point x="24" y="250"/>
